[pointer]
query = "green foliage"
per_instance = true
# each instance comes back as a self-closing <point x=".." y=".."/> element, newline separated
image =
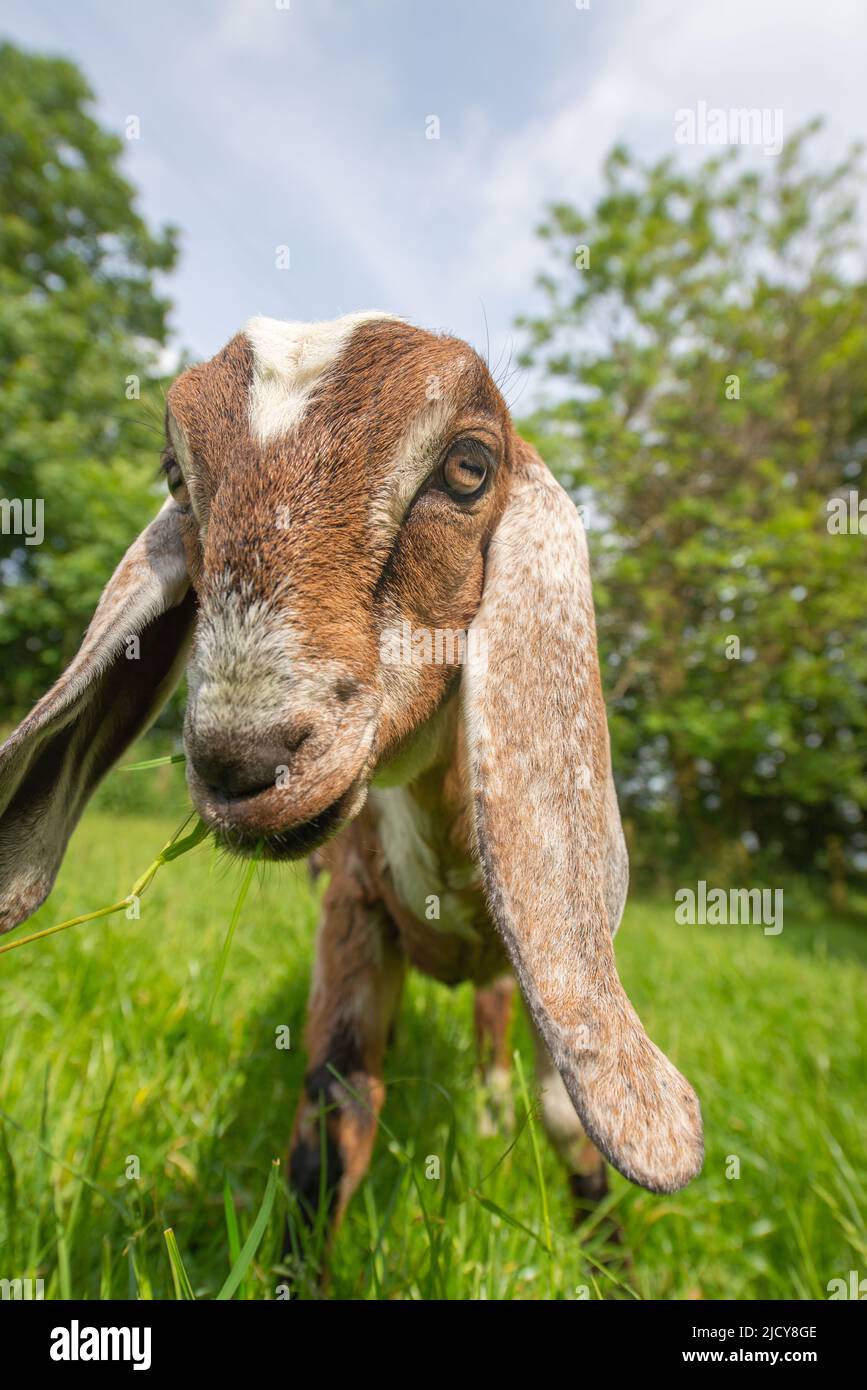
<point x="108" y="1053"/>
<point x="79" y="315"/>
<point x="708" y="496"/>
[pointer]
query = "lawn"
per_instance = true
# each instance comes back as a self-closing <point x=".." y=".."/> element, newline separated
<point x="126" y="1112"/>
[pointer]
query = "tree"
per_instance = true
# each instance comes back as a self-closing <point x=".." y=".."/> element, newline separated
<point x="706" y="336"/>
<point x="80" y="325"/>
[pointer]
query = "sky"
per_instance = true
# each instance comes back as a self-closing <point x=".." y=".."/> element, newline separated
<point x="304" y="124"/>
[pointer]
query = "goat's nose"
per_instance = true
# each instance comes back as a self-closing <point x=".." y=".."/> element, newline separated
<point x="233" y="773"/>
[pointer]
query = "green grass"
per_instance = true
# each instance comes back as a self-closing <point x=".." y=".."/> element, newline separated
<point x="108" y="1056"/>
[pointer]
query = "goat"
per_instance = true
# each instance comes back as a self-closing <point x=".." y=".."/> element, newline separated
<point x="332" y="484"/>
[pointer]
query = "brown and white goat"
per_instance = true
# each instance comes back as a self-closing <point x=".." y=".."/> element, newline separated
<point x="333" y="484"/>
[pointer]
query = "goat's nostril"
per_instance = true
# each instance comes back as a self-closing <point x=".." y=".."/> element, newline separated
<point x="242" y="763"/>
<point x="295" y="737"/>
<point x="232" y="778"/>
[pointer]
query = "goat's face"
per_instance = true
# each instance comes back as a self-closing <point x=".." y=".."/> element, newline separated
<point x="339" y="483"/>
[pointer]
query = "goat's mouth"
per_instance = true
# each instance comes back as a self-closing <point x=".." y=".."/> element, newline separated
<point x="260" y="824"/>
<point x="286" y="819"/>
<point x="298" y="840"/>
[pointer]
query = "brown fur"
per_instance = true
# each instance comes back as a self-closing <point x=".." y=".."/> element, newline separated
<point x="345" y="579"/>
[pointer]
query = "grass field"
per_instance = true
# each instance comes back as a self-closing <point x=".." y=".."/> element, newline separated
<point x="108" y="1056"/>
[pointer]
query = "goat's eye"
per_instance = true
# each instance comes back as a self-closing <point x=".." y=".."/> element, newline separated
<point x="175" y="480"/>
<point x="465" y="469"/>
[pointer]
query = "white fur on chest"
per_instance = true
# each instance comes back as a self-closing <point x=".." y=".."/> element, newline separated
<point x="447" y="894"/>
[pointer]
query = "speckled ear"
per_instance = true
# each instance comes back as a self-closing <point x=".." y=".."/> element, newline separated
<point x="127" y="666"/>
<point x="549" y="832"/>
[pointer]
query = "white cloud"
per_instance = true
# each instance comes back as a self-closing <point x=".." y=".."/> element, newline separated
<point x="804" y="58"/>
<point x="264" y="126"/>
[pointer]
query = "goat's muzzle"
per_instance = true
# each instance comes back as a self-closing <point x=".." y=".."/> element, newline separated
<point x="283" y="792"/>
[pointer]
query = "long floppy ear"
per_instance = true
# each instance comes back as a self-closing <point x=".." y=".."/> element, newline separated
<point x="549" y="834"/>
<point x="109" y="693"/>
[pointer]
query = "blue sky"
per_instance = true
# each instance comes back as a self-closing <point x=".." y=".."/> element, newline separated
<point x="306" y="127"/>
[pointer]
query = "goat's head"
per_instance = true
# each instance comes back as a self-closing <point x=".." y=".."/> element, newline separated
<point x="335" y="486"/>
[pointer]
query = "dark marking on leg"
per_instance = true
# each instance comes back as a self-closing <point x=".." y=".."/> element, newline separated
<point x="305" y="1175"/>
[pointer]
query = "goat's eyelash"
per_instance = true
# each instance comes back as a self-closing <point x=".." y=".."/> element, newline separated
<point x="168" y="462"/>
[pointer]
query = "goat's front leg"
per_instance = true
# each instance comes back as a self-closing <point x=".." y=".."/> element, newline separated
<point x="356" y="989"/>
<point x="492" y="1016"/>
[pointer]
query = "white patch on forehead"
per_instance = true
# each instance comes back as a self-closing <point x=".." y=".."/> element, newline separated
<point x="290" y="361"/>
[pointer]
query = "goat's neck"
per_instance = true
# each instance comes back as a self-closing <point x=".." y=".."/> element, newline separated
<point x="423" y="812"/>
